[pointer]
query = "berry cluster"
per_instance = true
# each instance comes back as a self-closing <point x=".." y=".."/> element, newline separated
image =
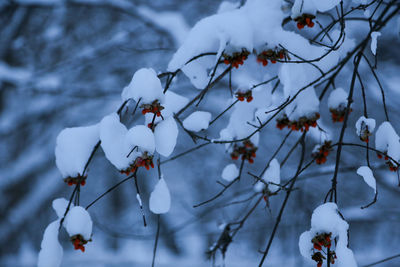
<point x="144" y="161"/>
<point x="338" y="114"/>
<point x="305" y="20"/>
<point x="320" y="241"/>
<point x="246" y="95"/>
<point x="271" y="55"/>
<point x="391" y="165"/>
<point x="75" y="180"/>
<point x="78" y="241"/>
<point x="321" y="152"/>
<point x="303" y="124"/>
<point x="154" y="108"/>
<point x="236" y="59"/>
<point x="364" y="133"/>
<point x="247" y="150"/>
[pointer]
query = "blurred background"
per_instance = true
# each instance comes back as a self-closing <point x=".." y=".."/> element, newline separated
<point x="64" y="64"/>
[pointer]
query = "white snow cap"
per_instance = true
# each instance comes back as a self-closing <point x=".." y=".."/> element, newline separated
<point x="51" y="252"/>
<point x="374" y="41"/>
<point x="113" y="136"/>
<point x="387" y="140"/>
<point x="230" y="172"/>
<point x="368" y="176"/>
<point x="144" y="85"/>
<point x="60" y="206"/>
<point x="326" y="219"/>
<point x="362" y="123"/>
<point x="165" y="135"/>
<point x="337" y="99"/>
<point x="160" y="198"/>
<point x="142" y="137"/>
<point x="78" y="222"/>
<point x="197" y="121"/>
<point x="73" y="149"/>
<point x="271" y="175"/>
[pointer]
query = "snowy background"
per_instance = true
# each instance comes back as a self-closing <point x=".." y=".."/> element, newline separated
<point x="65" y="63"/>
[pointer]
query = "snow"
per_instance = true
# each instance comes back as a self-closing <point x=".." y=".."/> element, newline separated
<point x="139" y="199"/>
<point x="231" y="30"/>
<point x="337" y="99"/>
<point x="312" y="6"/>
<point x="60" y="206"/>
<point x="230" y="172"/>
<point x="368" y="176"/>
<point x="374" y="41"/>
<point x="362" y="123"/>
<point x="78" y="222"/>
<point x="226" y="6"/>
<point x="165" y="135"/>
<point x="160" y="199"/>
<point x="51" y="252"/>
<point x="325" y="5"/>
<point x="113" y="142"/>
<point x="142" y="137"/>
<point x="73" y="149"/>
<point x="197" y="121"/>
<point x="387" y="140"/>
<point x="271" y="175"/>
<point x="326" y="219"/>
<point x="144" y="85"/>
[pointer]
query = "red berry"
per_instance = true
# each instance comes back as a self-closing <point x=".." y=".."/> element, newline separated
<point x="70" y="183"/>
<point x="83" y="182"/>
<point x="273" y="61"/>
<point x="226" y="61"/>
<point x="300" y="25"/>
<point x="379" y="155"/>
<point x="317" y="246"/>
<point x="249" y="98"/>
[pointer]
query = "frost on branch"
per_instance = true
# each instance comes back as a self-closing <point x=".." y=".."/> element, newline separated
<point x="230" y="172"/>
<point x="145" y="86"/>
<point x="337" y="104"/>
<point x="160" y="198"/>
<point x="368" y="176"/>
<point x="197" y="121"/>
<point x="73" y="149"/>
<point x="272" y="177"/>
<point x="126" y="150"/>
<point x="79" y="227"/>
<point x="51" y="252"/>
<point x="387" y="141"/>
<point x="374" y="41"/>
<point x="327" y="240"/>
<point x="365" y="128"/>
